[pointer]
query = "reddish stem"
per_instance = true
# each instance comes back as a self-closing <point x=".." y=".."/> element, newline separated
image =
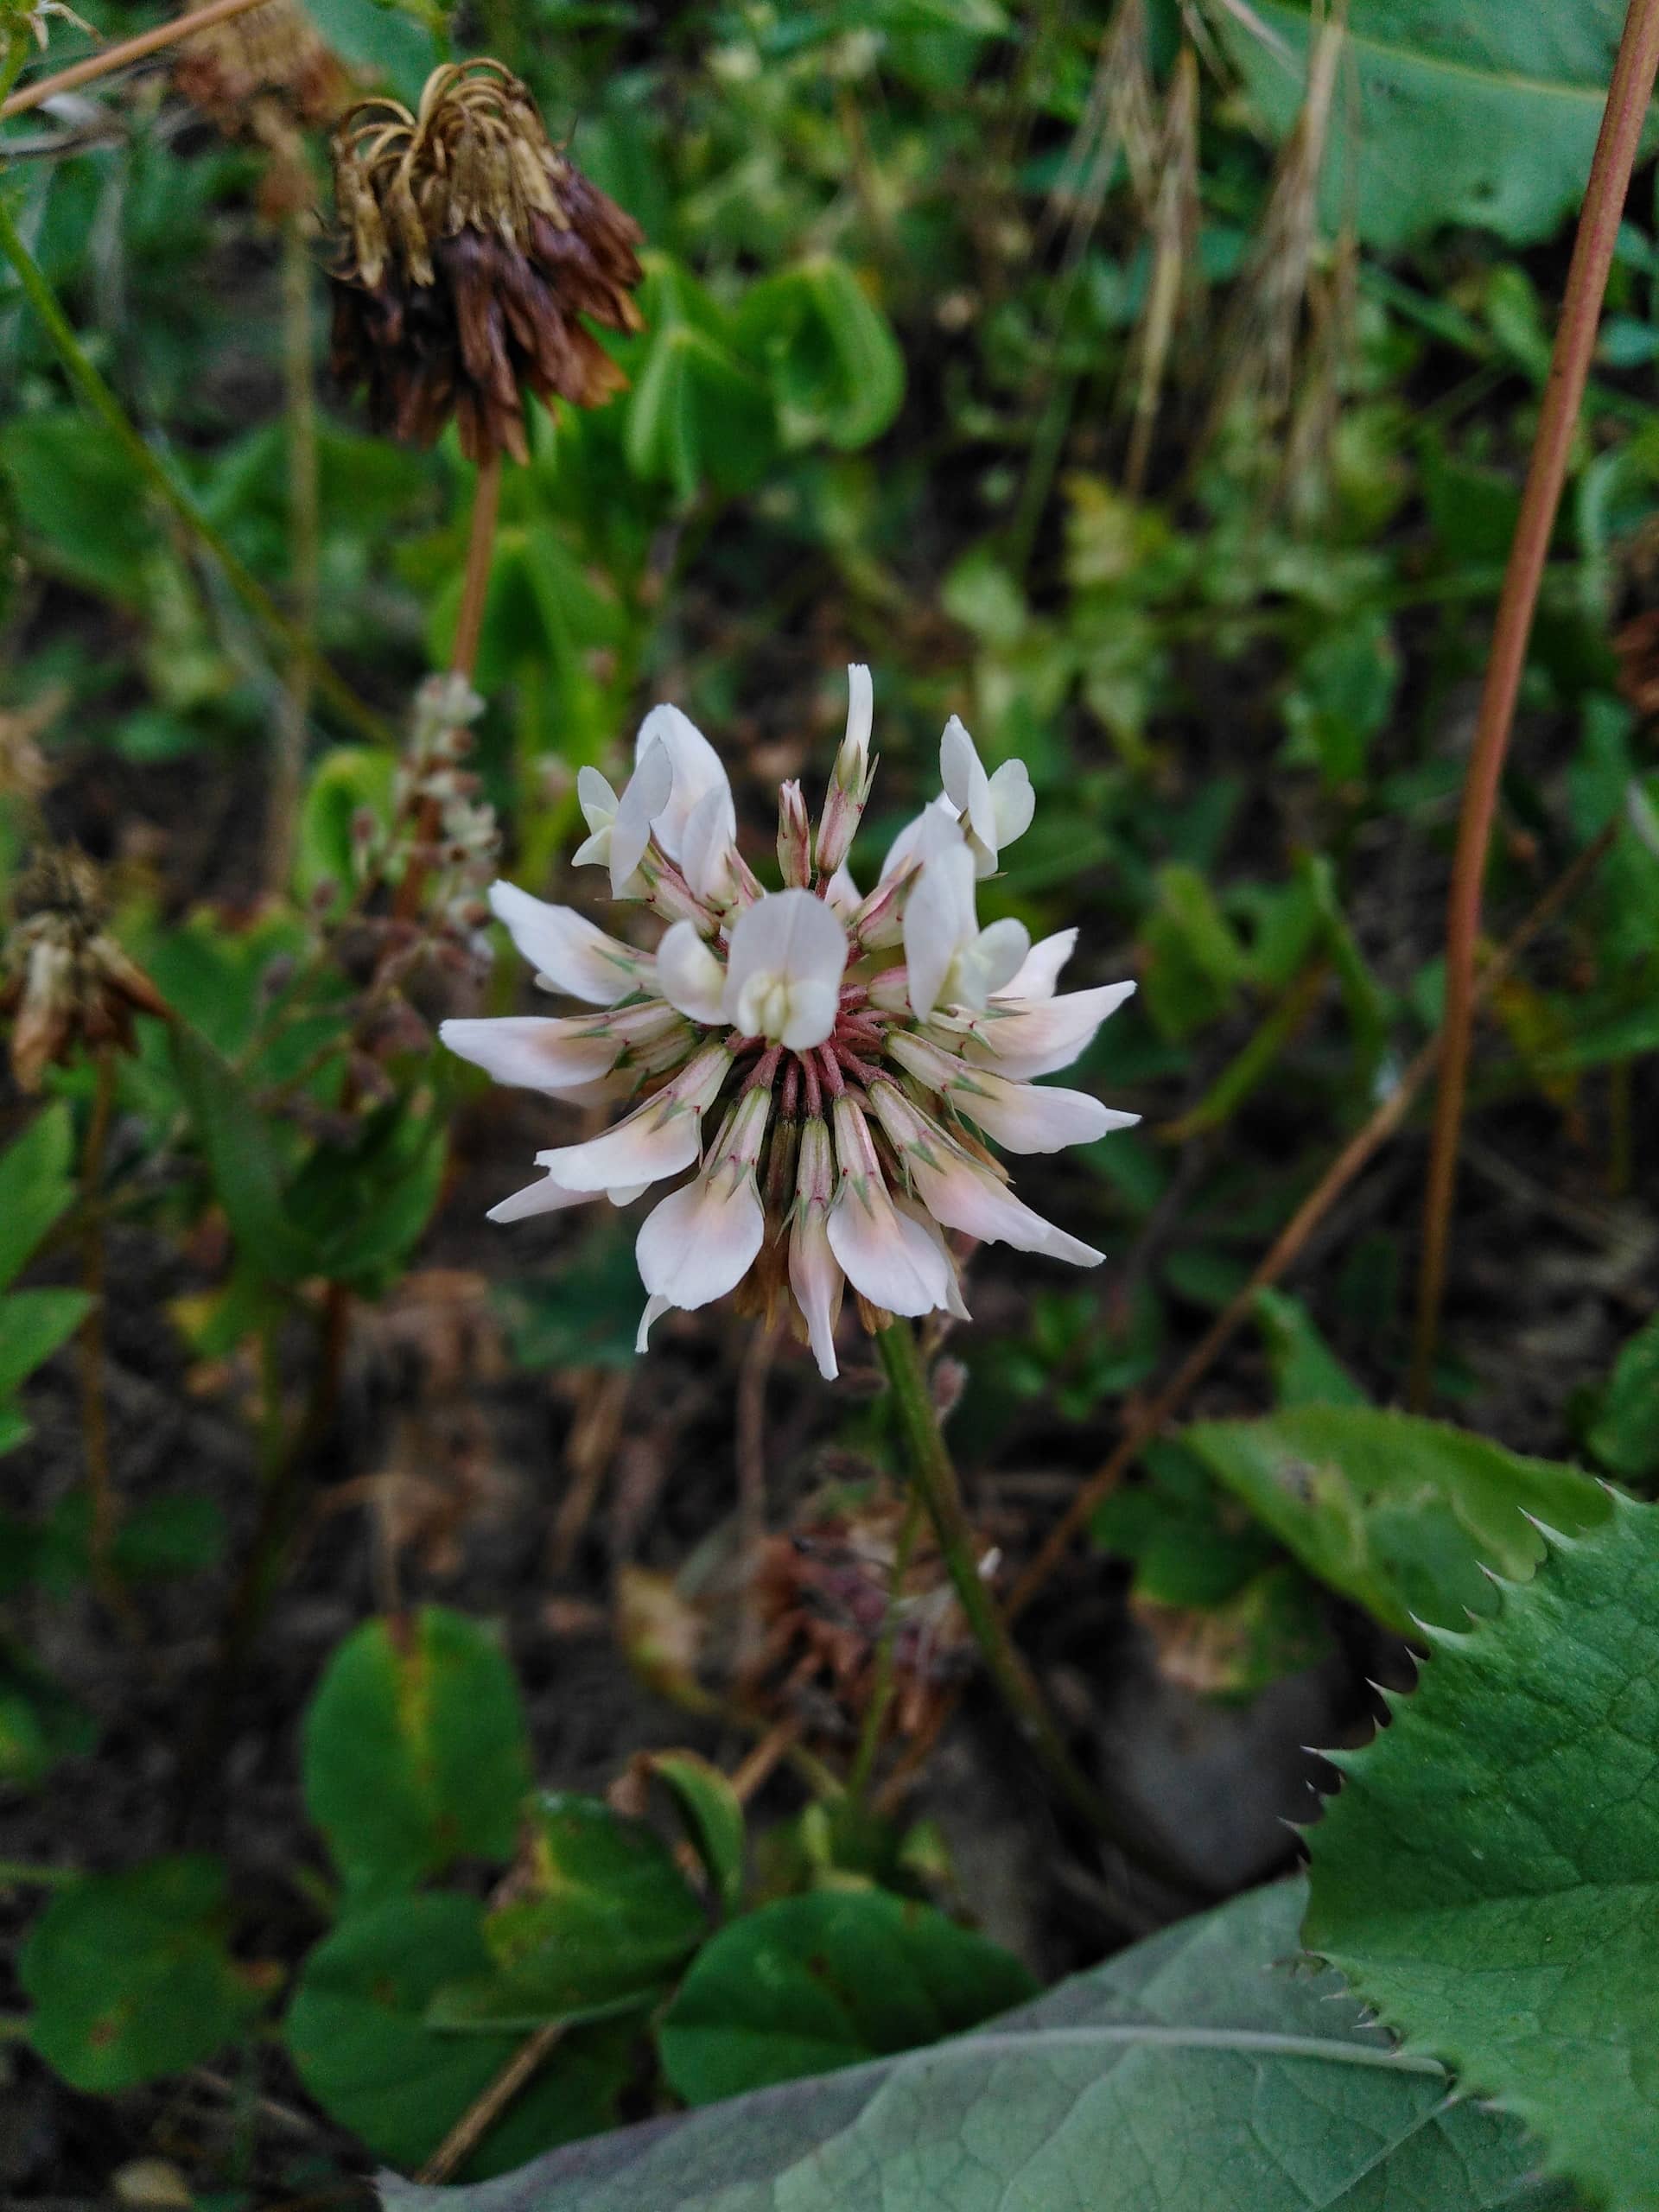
<point x="833" y="1081"/>
<point x="1604" y="202"/>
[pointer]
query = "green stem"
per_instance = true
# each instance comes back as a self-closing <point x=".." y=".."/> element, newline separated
<point x="875" y="1713"/>
<point x="27" y="1874"/>
<point x="104" y="404"/>
<point x="935" y="1477"/>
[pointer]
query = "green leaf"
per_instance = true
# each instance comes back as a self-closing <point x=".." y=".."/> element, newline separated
<point x="825" y="1980"/>
<point x="415" y="1752"/>
<point x="380" y="40"/>
<point x="76" y="501"/>
<point x="696" y="411"/>
<point x="347" y="780"/>
<point x="609" y="1913"/>
<point x="244" y="1162"/>
<point x="1625" y="1433"/>
<point x="1193" y="962"/>
<point x="36" y="1186"/>
<point x="129" y="1975"/>
<point x="1192" y="1544"/>
<point x="1488" y="1875"/>
<point x="40" y="1722"/>
<point x="362" y="1207"/>
<point x="356" y="2032"/>
<point x="834" y="366"/>
<point x="1306" y="1371"/>
<point x="1398" y="1513"/>
<point x="1205" y="2071"/>
<point x="33" y="1324"/>
<point x="1464" y="110"/>
<point x="714" y="1813"/>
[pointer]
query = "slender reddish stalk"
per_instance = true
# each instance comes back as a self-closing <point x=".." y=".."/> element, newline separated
<point x="129" y="49"/>
<point x="1569" y="369"/>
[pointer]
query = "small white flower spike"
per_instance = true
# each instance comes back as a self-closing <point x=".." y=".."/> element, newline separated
<point x="859" y="1051"/>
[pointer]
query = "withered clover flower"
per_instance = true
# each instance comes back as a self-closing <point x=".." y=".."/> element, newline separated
<point x="855" y="1052"/>
<point x="470" y="249"/>
<point x="65" y="978"/>
<point x="254" y="71"/>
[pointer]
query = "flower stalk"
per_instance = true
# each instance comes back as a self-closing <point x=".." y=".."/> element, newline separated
<point x="1617" y="148"/>
<point x="116" y="57"/>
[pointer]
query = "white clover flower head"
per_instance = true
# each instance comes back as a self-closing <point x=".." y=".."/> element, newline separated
<point x="856" y="1052"/>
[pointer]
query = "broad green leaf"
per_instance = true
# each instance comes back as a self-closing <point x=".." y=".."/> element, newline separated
<point x="244" y="1161"/>
<point x="1192" y="1544"/>
<point x="1400" y="1513"/>
<point x="1192" y="962"/>
<point x="697" y="412"/>
<point x="714" y="1813"/>
<point x="356" y="2032"/>
<point x="414" y="1752"/>
<point x="608" y="1912"/>
<point x="381" y="39"/>
<point x="81" y="514"/>
<point x="1470" y="112"/>
<point x="33" y="1324"/>
<point x="36" y="1185"/>
<point x="834" y="366"/>
<point x="1306" y="1371"/>
<point x="825" y="1980"/>
<point x="1488" y="1875"/>
<point x="1205" y="2071"/>
<point x="129" y="1975"/>
<point x="1625" y="1434"/>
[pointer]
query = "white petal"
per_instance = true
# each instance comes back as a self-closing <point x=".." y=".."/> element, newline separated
<point x="697" y="771"/>
<point x="954" y="1304"/>
<point x="549" y="1196"/>
<point x="888" y="1257"/>
<point x="1013" y="802"/>
<point x="938" y="917"/>
<point x="650" y="1144"/>
<point x="1040" y="970"/>
<point x="1045" y="1034"/>
<point x="706" y="844"/>
<point x="992" y="956"/>
<point x="842" y="895"/>
<point x="817" y="1283"/>
<point x="537" y="1051"/>
<point x="1024" y="1118"/>
<point x="595" y="797"/>
<point x="700" y="1243"/>
<point x="687" y="974"/>
<point x="594" y="851"/>
<point x="567" y="950"/>
<point x="966" y="784"/>
<point x="966" y="1197"/>
<point x="783" y="974"/>
<point x="930" y="831"/>
<point x="648" y="792"/>
<point x="861" y="707"/>
<point x="655" y="1309"/>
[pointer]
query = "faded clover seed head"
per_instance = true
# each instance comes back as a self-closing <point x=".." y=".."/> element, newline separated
<point x="64" y="978"/>
<point x="824" y="1066"/>
<point x="469" y="250"/>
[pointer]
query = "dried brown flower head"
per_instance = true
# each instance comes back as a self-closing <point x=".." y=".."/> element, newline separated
<point x="823" y="1594"/>
<point x="236" y="72"/>
<point x="65" y="978"/>
<point x="470" y="249"/>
